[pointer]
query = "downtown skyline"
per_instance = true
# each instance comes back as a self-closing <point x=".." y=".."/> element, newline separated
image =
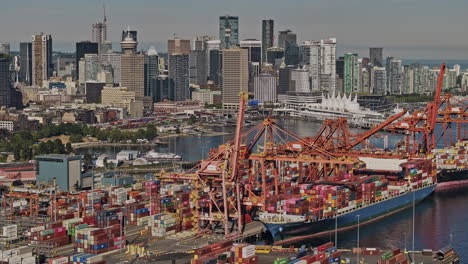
<point x="403" y="32"/>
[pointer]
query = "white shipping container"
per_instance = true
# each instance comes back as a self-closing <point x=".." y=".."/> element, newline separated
<point x="301" y="262"/>
<point x="62" y="260"/>
<point x="30" y="260"/>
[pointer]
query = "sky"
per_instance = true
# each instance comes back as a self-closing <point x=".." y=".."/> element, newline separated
<point x="407" y="29"/>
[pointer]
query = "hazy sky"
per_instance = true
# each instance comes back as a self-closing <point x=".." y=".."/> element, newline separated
<point x="430" y="29"/>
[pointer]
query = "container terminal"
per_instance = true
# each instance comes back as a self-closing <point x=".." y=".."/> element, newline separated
<point x="267" y="185"/>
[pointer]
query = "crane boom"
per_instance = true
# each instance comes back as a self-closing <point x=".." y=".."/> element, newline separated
<point x="371" y="132"/>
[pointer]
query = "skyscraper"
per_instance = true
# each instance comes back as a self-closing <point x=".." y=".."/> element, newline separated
<point x="268" y="36"/>
<point x="211" y="45"/>
<point x="352" y="73"/>
<point x="284" y="77"/>
<point x="179" y="46"/>
<point x="132" y="72"/>
<point x="112" y="60"/>
<point x="229" y="31"/>
<point x="164" y="89"/>
<point x="91" y="67"/>
<point x="378" y="80"/>
<point x="99" y="32"/>
<point x="82" y="48"/>
<point x="216" y="67"/>
<point x="254" y="48"/>
<point x="328" y="65"/>
<point x="299" y="81"/>
<point x="25" y="74"/>
<point x="5" y="81"/>
<point x="179" y="73"/>
<point x="273" y="54"/>
<point x="235" y="76"/>
<point x="309" y="53"/>
<point x="265" y="88"/>
<point x="286" y="35"/>
<point x="198" y="67"/>
<point x="376" y="56"/>
<point x="200" y="42"/>
<point x="151" y="73"/>
<point x="291" y="53"/>
<point x="42" y="66"/>
<point x="396" y="77"/>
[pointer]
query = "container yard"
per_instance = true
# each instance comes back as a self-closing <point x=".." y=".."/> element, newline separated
<point x="267" y="185"/>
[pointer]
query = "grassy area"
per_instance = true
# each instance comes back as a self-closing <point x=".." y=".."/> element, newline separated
<point x="412" y="98"/>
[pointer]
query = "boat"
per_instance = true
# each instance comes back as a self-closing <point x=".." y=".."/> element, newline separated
<point x="411" y="185"/>
<point x="153" y="155"/>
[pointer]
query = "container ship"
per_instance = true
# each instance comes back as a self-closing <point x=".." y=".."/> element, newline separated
<point x="452" y="164"/>
<point x="363" y="195"/>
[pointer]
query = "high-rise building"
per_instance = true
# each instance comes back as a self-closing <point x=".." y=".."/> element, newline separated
<point x="93" y="92"/>
<point x="25" y="74"/>
<point x="310" y="57"/>
<point x="178" y="46"/>
<point x="284" y="36"/>
<point x="112" y="60"/>
<point x="198" y="67"/>
<point x="151" y="72"/>
<point x="209" y="46"/>
<point x="42" y="66"/>
<point x="200" y="42"/>
<point x="396" y="77"/>
<point x="268" y="37"/>
<point x="235" y="76"/>
<point x="82" y="48"/>
<point x="5" y="80"/>
<point x="275" y="55"/>
<point x="164" y="89"/>
<point x="376" y="56"/>
<point x="179" y="73"/>
<point x="328" y="65"/>
<point x="299" y="81"/>
<point x="291" y="53"/>
<point x="99" y="32"/>
<point x="284" y="77"/>
<point x="378" y="80"/>
<point x="132" y="71"/>
<point x="216" y="67"/>
<point x="5" y="48"/>
<point x="265" y="88"/>
<point x="91" y="67"/>
<point x="229" y="31"/>
<point x="106" y="47"/>
<point x="352" y="73"/>
<point x="365" y="80"/>
<point x="254" y="48"/>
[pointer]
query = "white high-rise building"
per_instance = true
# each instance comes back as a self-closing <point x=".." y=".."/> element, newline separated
<point x="309" y="56"/>
<point x="91" y="67"/>
<point x="396" y="77"/>
<point x="328" y="65"/>
<point x="378" y="80"/>
<point x="300" y="81"/>
<point x="265" y="88"/>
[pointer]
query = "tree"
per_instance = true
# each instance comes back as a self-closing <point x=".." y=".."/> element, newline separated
<point x="58" y="147"/>
<point x="192" y="120"/>
<point x="17" y="153"/>
<point x="151" y="132"/>
<point x="68" y="147"/>
<point x="177" y="130"/>
<point x="75" y="138"/>
<point x="17" y="183"/>
<point x="141" y="133"/>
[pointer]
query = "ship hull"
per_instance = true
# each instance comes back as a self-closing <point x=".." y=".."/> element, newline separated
<point x="292" y="232"/>
<point x="452" y="175"/>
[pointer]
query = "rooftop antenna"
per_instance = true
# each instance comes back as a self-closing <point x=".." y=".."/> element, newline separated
<point x="104" y="8"/>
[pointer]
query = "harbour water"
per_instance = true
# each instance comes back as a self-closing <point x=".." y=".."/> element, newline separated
<point x="440" y="218"/>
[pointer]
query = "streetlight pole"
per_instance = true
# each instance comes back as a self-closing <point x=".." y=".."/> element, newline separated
<point x="358" y="249"/>
<point x="414" y="215"/>
<point x="336" y="230"/>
